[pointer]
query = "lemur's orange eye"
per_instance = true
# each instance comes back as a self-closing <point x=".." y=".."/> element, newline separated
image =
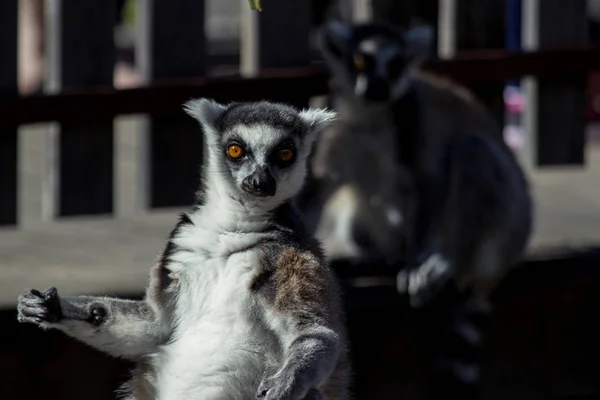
<point x="286" y="154"/>
<point x="359" y="62"/>
<point x="235" y="151"/>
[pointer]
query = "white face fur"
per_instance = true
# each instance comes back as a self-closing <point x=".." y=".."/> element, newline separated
<point x="257" y="152"/>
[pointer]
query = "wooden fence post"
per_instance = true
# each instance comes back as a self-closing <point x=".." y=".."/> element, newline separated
<point x="278" y="36"/>
<point x="172" y="45"/>
<point x="480" y="26"/>
<point x="399" y="13"/>
<point x="362" y="10"/>
<point x="38" y="166"/>
<point x="82" y="53"/>
<point x="447" y="29"/>
<point x="554" y="119"/>
<point x="8" y="88"/>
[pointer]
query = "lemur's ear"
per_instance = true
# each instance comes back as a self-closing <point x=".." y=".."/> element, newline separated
<point x="316" y="120"/>
<point x="205" y="111"/>
<point x="419" y="42"/>
<point x="334" y="38"/>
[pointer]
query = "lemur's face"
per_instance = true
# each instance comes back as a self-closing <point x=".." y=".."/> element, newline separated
<point x="372" y="62"/>
<point x="259" y="150"/>
<point x="262" y="159"/>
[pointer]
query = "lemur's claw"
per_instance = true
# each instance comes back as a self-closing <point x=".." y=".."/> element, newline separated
<point x="284" y="386"/>
<point x="53" y="304"/>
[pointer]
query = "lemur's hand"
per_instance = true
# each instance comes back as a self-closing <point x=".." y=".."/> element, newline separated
<point x="37" y="308"/>
<point x="284" y="386"/>
<point x="425" y="280"/>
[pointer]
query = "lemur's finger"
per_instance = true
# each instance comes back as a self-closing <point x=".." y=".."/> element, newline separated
<point x="30" y="294"/>
<point x="32" y="301"/>
<point x="37" y="312"/>
<point x="32" y="320"/>
<point x="402" y="281"/>
<point x="50" y="293"/>
<point x="427" y="280"/>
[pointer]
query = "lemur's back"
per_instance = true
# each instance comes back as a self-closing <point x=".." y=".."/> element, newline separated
<point x="454" y="106"/>
<point x="453" y="115"/>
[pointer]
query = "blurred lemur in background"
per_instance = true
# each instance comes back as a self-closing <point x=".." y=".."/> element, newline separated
<point x="242" y="304"/>
<point x="416" y="169"/>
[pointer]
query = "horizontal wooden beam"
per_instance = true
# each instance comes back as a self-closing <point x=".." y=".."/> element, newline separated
<point x="481" y="66"/>
<point x="165" y="96"/>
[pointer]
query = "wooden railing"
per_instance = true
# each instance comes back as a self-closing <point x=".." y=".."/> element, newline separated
<point x="277" y="62"/>
<point x="165" y="96"/>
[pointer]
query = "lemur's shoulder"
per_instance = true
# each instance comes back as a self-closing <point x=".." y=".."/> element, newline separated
<point x="163" y="283"/>
<point x="441" y="84"/>
<point x="445" y="104"/>
<point x="297" y="280"/>
<point x="294" y="275"/>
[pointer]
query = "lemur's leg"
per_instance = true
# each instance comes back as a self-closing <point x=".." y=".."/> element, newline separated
<point x="428" y="268"/>
<point x="486" y="226"/>
<point x="454" y="336"/>
<point x="122" y="328"/>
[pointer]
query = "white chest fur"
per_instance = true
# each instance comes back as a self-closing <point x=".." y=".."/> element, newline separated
<point x="221" y="347"/>
<point x="335" y="227"/>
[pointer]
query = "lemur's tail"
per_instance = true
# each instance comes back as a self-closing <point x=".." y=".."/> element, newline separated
<point x="455" y="336"/>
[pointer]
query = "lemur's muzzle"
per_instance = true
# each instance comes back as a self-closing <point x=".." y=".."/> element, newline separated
<point x="377" y="89"/>
<point x="260" y="183"/>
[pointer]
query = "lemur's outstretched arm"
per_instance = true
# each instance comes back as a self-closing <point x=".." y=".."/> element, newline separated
<point x="122" y="328"/>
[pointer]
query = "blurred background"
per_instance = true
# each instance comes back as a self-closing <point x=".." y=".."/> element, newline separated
<point x="97" y="158"/>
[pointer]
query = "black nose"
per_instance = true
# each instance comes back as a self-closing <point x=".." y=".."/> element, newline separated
<point x="261" y="183"/>
<point x="378" y="89"/>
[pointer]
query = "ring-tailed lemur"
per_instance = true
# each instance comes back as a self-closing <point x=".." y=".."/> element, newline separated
<point x="357" y="185"/>
<point x="242" y="303"/>
<point x="412" y="145"/>
<point x="429" y="139"/>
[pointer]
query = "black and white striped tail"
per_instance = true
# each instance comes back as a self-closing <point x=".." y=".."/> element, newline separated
<point x="455" y="336"/>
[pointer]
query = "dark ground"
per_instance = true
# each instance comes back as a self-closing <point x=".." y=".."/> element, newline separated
<point x="542" y="344"/>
